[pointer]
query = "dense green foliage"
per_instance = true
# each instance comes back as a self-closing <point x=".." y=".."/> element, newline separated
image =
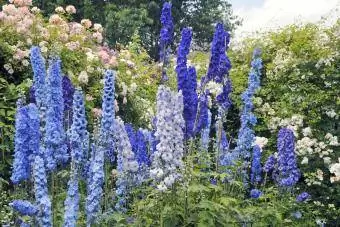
<point x="123" y="18"/>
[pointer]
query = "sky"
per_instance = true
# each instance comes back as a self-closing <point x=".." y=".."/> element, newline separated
<point x="268" y="14"/>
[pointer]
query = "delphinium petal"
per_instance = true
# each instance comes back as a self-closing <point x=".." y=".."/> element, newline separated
<point x="303" y="197"/>
<point x="55" y="139"/>
<point x="167" y="159"/>
<point x="289" y="173"/>
<point x="72" y="201"/>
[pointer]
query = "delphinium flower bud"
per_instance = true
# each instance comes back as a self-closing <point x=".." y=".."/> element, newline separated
<point x="256" y="169"/>
<point x="21" y="164"/>
<point x="270" y="164"/>
<point x="43" y="201"/>
<point x="39" y="75"/>
<point x="127" y="165"/>
<point x="24" y="207"/>
<point x="255" y="193"/>
<point x="95" y="184"/>
<point x="55" y="139"/>
<point x="167" y="160"/>
<point x="108" y="115"/>
<point x="289" y="173"/>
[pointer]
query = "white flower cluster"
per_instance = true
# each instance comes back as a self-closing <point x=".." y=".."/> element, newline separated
<point x="314" y="178"/>
<point x="293" y="123"/>
<point x="167" y="159"/>
<point x="335" y="169"/>
<point x="214" y="88"/>
<point x="261" y="141"/>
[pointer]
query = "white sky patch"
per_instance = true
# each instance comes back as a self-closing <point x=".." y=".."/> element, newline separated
<point x="277" y="13"/>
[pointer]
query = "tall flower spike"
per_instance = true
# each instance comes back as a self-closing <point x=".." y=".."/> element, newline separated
<point x="167" y="160"/>
<point x="223" y="99"/>
<point x="108" y="115"/>
<point x="21" y="164"/>
<point x="39" y="75"/>
<point x="72" y="201"/>
<point x="95" y="185"/>
<point x="78" y="134"/>
<point x="41" y="193"/>
<point x="246" y="135"/>
<point x="127" y="165"/>
<point x="55" y="139"/>
<point x="34" y="131"/>
<point x="289" y="173"/>
<point x="167" y="30"/>
<point x="219" y="65"/>
<point x="187" y="83"/>
<point x="256" y="169"/>
<point x="166" y="37"/>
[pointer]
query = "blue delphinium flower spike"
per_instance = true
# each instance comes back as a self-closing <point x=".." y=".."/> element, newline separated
<point x="108" y="115"/>
<point x="270" y="164"/>
<point x="289" y="173"/>
<point x="39" y="75"/>
<point x="55" y="139"/>
<point x="43" y="201"/>
<point x="256" y="169"/>
<point x="21" y="164"/>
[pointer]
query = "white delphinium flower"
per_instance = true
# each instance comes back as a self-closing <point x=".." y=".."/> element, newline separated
<point x="169" y="151"/>
<point x="261" y="141"/>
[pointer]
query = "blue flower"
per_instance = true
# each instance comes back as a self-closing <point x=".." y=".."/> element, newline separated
<point x="219" y="65"/>
<point x="255" y="193"/>
<point x="24" y="207"/>
<point x="41" y="193"/>
<point x="303" y="197"/>
<point x="223" y="98"/>
<point x="256" y="169"/>
<point x="167" y="30"/>
<point x="289" y="173"/>
<point x="246" y="135"/>
<point x="203" y="109"/>
<point x="68" y="91"/>
<point x="78" y="134"/>
<point x="270" y="164"/>
<point x="39" y="75"/>
<point x="297" y="214"/>
<point x="141" y="149"/>
<point x="21" y="164"/>
<point x="55" y="140"/>
<point x="108" y="115"/>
